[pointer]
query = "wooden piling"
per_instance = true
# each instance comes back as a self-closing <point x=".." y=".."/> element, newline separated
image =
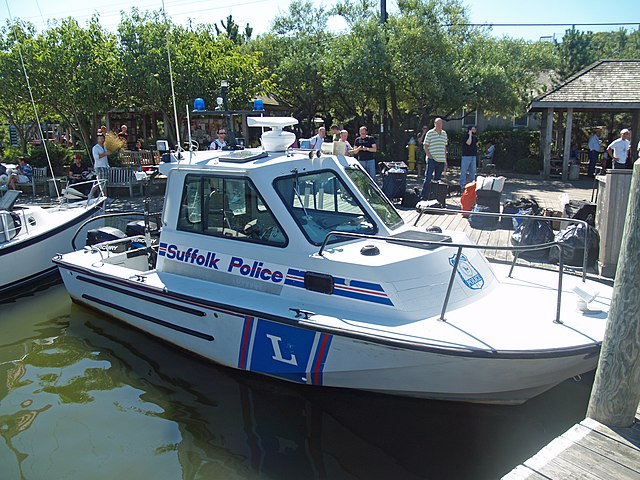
<point x="616" y="389"/>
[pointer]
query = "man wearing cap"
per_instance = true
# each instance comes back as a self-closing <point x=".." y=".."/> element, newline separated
<point x="619" y="148"/>
<point x="78" y="174"/>
<point x="100" y="157"/>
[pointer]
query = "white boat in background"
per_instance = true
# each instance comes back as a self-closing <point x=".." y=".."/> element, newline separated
<point x="30" y="235"/>
<point x="294" y="264"/>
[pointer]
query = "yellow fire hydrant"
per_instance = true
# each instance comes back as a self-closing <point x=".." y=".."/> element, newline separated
<point x="411" y="158"/>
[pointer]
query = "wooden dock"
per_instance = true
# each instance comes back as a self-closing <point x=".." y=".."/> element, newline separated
<point x="589" y="451"/>
<point x="545" y="192"/>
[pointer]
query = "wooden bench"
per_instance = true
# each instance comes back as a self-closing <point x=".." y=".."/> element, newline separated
<point x="123" y="177"/>
<point x="38" y="177"/>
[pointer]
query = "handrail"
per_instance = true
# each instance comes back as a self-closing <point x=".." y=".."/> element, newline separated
<point x="422" y="210"/>
<point x="460" y="247"/>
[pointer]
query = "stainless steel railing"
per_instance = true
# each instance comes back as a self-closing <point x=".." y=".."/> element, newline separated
<point x="461" y="246"/>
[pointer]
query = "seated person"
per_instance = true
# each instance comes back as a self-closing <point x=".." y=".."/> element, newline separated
<point x="20" y="175"/>
<point x="487" y="157"/>
<point x="77" y="171"/>
<point x="491" y="149"/>
<point x="4" y="178"/>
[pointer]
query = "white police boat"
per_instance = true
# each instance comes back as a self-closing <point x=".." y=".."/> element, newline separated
<point x="31" y="234"/>
<point x="294" y="264"/>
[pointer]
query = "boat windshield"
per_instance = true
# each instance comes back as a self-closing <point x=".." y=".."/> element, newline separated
<point x="320" y="203"/>
<point x="385" y="210"/>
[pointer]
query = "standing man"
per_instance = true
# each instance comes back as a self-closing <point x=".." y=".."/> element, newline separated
<point x="365" y="149"/>
<point x="335" y="133"/>
<point x="619" y="148"/>
<point x="220" y="142"/>
<point x="100" y="157"/>
<point x="317" y="140"/>
<point x="344" y="137"/>
<point x="594" y="151"/>
<point x="435" y="148"/>
<point x="469" y="157"/>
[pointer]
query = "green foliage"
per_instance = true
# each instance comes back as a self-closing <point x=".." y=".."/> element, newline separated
<point x="528" y="166"/>
<point x="579" y="49"/>
<point x="11" y="154"/>
<point x="60" y="157"/>
<point x="511" y="145"/>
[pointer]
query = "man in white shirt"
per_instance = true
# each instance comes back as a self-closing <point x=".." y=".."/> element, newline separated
<point x="317" y="140"/>
<point x="619" y="148"/>
<point x="594" y="151"/>
<point x="100" y="157"/>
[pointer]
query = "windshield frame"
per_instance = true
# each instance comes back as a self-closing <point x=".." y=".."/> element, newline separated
<point x="374" y="196"/>
<point x="343" y="211"/>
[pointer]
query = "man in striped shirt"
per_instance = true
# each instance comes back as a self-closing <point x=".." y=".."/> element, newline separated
<point x="435" y="148"/>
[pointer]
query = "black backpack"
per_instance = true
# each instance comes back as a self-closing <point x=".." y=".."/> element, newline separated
<point x="533" y="232"/>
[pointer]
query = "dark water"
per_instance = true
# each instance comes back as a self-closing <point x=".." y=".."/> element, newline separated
<point x="85" y="397"/>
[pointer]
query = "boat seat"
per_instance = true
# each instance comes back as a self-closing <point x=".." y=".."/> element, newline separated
<point x="9" y="199"/>
<point x="9" y="225"/>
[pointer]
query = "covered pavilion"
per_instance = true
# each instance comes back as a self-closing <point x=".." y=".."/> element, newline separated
<point x="604" y="86"/>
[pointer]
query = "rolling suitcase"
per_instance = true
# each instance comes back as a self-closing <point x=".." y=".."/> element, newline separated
<point x="439" y="191"/>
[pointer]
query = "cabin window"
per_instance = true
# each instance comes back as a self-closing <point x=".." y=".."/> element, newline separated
<point x="227" y="207"/>
<point x="320" y="203"/>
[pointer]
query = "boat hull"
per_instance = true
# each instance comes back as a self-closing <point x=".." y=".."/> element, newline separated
<point x="309" y="352"/>
<point x="26" y="259"/>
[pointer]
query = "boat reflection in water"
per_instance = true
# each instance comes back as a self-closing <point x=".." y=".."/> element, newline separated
<point x="82" y="396"/>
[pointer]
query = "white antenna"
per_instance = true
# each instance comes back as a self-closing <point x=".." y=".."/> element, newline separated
<point x="33" y="103"/>
<point x="173" y="92"/>
<point x="188" y="127"/>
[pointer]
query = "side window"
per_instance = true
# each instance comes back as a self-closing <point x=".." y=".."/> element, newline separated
<point x="227" y="207"/>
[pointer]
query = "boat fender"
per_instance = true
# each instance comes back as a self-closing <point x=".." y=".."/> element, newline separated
<point x="434" y="229"/>
<point x="370" y="250"/>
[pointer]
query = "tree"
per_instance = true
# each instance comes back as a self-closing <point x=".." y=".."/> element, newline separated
<point x="579" y="49"/>
<point x="75" y="72"/>
<point x="295" y="52"/>
<point x="200" y="60"/>
<point x="15" y="103"/>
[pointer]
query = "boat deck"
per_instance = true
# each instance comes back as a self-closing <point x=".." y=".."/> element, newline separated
<point x="588" y="450"/>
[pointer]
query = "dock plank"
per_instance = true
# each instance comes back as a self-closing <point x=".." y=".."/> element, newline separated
<point x="588" y="450"/>
<point x="553" y="464"/>
<point x="524" y="473"/>
<point x="609" y="447"/>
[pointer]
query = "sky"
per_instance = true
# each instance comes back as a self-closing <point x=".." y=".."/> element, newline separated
<point x="260" y="13"/>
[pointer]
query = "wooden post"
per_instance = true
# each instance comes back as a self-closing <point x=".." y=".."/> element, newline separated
<point x="548" y="134"/>
<point x="616" y="390"/>
<point x="635" y="133"/>
<point x="567" y="144"/>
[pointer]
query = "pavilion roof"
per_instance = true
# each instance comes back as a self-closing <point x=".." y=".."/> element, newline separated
<point x="603" y="85"/>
